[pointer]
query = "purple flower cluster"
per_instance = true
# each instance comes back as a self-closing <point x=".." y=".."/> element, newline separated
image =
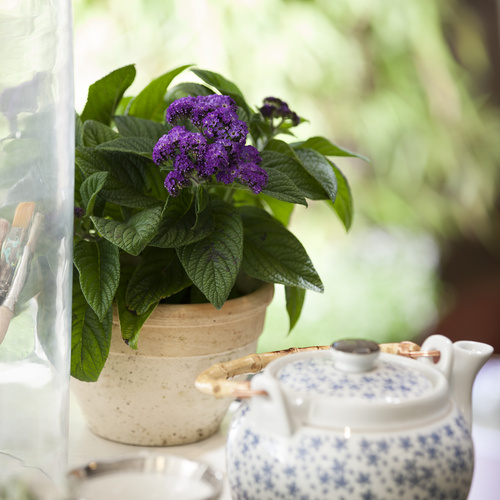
<point x="218" y="149"/>
<point x="276" y="108"/>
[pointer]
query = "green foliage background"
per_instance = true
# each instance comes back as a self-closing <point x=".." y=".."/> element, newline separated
<point x="376" y="76"/>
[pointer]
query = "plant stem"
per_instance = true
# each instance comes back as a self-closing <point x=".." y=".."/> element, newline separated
<point x="228" y="195"/>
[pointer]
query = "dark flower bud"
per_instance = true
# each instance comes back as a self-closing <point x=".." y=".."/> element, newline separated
<point x="276" y="108"/>
<point x="79" y="212"/>
<point x="267" y="111"/>
<point x="295" y="119"/>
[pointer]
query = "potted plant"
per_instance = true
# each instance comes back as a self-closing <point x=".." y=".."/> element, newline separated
<point x="183" y="195"/>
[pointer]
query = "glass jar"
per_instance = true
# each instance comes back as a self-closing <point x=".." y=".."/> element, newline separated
<point x="36" y="228"/>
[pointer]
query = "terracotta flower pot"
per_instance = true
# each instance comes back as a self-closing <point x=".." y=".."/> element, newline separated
<point x="147" y="397"/>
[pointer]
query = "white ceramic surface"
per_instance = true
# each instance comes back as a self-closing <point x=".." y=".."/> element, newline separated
<point x="85" y="446"/>
<point x="324" y="430"/>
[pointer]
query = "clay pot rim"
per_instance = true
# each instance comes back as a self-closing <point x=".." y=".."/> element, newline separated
<point x="233" y="310"/>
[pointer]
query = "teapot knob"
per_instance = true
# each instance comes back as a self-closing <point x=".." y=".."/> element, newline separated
<point x="355" y="355"/>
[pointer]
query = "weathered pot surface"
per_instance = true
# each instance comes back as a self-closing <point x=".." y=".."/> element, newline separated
<point x="355" y="423"/>
<point x="147" y="396"/>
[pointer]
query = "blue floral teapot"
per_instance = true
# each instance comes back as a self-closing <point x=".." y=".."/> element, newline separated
<point x="352" y="422"/>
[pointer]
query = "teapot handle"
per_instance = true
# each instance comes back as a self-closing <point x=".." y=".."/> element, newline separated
<point x="270" y="408"/>
<point x="215" y="380"/>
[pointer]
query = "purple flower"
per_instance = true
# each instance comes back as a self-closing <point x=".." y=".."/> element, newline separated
<point x="238" y="131"/>
<point x="197" y="108"/>
<point x="221" y="101"/>
<point x="218" y="149"/>
<point x="276" y="108"/>
<point x="224" y="123"/>
<point x="215" y="123"/>
<point x="227" y="176"/>
<point x="174" y="182"/>
<point x="254" y="176"/>
<point x="248" y="160"/>
<point x="180" y="108"/>
<point x="182" y="163"/>
<point x="216" y="158"/>
<point x="250" y="154"/>
<point x="194" y="143"/>
<point x="166" y="147"/>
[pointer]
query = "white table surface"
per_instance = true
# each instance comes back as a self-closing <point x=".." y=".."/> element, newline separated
<point x="84" y="446"/>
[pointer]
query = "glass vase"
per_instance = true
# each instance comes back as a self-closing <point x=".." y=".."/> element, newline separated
<point x="36" y="227"/>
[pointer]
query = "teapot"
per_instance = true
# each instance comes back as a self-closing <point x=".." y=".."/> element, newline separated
<point x="352" y="420"/>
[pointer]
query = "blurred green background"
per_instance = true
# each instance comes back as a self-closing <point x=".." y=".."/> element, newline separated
<point x="408" y="84"/>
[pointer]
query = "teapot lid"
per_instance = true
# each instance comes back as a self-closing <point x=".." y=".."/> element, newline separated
<point x="354" y="384"/>
<point x="353" y="371"/>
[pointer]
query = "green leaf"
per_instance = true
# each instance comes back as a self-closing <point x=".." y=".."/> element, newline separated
<point x="186" y="89"/>
<point x="305" y="182"/>
<point x="294" y="303"/>
<point x="213" y="262"/>
<point x="343" y="204"/>
<point x="272" y="253"/>
<point x="142" y="146"/>
<point x="150" y="103"/>
<point x="139" y="173"/>
<point x="130" y="126"/>
<point x="79" y="178"/>
<point x="159" y="275"/>
<point x="78" y="131"/>
<point x="125" y="184"/>
<point x="90" y="188"/>
<point x="105" y="95"/>
<point x="327" y="148"/>
<point x="202" y="202"/>
<point x="259" y="128"/>
<point x="90" y="338"/>
<point x="281" y="211"/>
<point x="282" y="147"/>
<point x="133" y="235"/>
<point x="244" y="196"/>
<point x="130" y="322"/>
<point x="281" y="187"/>
<point x="95" y="133"/>
<point x="98" y="266"/>
<point x="183" y="222"/>
<point x="123" y="105"/>
<point x="319" y="168"/>
<point x="224" y="86"/>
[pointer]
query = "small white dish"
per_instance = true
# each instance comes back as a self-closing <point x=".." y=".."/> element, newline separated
<point x="145" y="476"/>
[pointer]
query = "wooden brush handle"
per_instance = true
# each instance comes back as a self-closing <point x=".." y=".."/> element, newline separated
<point x="4" y="229"/>
<point x="20" y="276"/>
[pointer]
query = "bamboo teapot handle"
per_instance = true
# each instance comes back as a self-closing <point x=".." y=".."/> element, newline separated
<point x="216" y="381"/>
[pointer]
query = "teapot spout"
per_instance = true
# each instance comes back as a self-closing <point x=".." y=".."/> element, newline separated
<point x="468" y="358"/>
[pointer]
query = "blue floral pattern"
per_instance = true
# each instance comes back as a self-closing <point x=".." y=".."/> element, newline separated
<point x="387" y="382"/>
<point x="433" y="463"/>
